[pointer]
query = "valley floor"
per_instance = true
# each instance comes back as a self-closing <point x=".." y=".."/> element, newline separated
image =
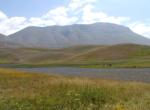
<point x="29" y="91"/>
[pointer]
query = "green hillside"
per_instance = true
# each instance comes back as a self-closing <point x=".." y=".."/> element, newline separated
<point x="127" y="55"/>
<point x="123" y="55"/>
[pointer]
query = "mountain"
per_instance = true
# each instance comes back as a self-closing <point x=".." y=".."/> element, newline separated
<point x="5" y="43"/>
<point x="2" y="40"/>
<point x="78" y="34"/>
<point x="2" y="37"/>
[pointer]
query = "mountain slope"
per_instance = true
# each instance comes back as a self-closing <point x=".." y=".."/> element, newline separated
<point x="2" y="37"/>
<point x="2" y="40"/>
<point x="115" y="52"/>
<point x="122" y="55"/>
<point x="5" y="43"/>
<point x="65" y="36"/>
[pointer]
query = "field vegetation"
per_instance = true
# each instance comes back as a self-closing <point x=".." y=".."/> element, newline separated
<point x="116" y="56"/>
<point x="30" y="91"/>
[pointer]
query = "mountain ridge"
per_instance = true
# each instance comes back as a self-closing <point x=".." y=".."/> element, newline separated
<point x="76" y="34"/>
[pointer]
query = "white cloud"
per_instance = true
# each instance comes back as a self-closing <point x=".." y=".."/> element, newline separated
<point x="11" y="25"/>
<point x="60" y="16"/>
<point x="60" y="11"/>
<point x="2" y="16"/>
<point x="40" y="22"/>
<point x="77" y="11"/>
<point x="90" y="16"/>
<point x="76" y="4"/>
<point x="141" y="28"/>
<point x="57" y="16"/>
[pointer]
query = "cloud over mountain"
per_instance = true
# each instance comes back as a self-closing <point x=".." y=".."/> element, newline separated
<point x="76" y="12"/>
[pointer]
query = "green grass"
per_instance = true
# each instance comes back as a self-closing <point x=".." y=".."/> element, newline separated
<point x="116" y="56"/>
<point x="29" y="91"/>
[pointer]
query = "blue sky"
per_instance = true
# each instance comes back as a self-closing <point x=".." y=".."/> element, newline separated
<point x="136" y="9"/>
<point x="18" y="14"/>
<point x="29" y="8"/>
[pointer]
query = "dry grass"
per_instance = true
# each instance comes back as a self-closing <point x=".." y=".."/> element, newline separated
<point x="30" y="91"/>
<point x="127" y="55"/>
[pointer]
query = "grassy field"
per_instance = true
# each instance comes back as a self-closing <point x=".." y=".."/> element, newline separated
<point x="29" y="91"/>
<point x="116" y="56"/>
